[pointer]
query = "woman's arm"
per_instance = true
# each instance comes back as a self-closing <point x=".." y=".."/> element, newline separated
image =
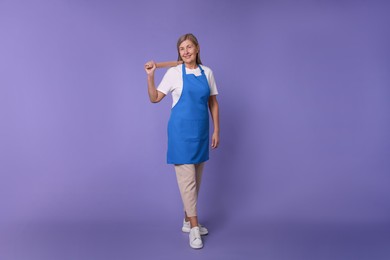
<point x="155" y="96"/>
<point x="214" y="110"/>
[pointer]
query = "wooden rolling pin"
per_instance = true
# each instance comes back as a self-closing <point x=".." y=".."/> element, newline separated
<point x="166" y="64"/>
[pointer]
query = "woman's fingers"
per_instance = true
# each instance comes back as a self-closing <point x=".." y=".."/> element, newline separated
<point x="214" y="142"/>
<point x="150" y="66"/>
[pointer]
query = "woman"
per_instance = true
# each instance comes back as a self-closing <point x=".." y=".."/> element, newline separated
<point x="193" y="91"/>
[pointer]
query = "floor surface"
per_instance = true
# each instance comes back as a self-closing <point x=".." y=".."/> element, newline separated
<point x="137" y="240"/>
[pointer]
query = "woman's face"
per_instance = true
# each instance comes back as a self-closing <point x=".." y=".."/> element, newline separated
<point x="188" y="51"/>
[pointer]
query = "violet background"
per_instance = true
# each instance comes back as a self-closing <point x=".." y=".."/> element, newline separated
<point x="303" y="168"/>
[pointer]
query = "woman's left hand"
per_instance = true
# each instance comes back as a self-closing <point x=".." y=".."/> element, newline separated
<point x="215" y="140"/>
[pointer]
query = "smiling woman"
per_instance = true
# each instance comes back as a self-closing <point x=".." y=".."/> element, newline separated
<point x="194" y="92"/>
<point x="189" y="50"/>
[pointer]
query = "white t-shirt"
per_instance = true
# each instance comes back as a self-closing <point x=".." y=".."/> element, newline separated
<point x="173" y="81"/>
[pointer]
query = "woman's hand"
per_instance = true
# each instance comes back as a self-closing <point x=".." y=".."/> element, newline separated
<point x="150" y="67"/>
<point x="215" y="140"/>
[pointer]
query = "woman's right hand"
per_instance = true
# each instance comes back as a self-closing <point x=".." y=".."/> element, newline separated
<point x="150" y="67"/>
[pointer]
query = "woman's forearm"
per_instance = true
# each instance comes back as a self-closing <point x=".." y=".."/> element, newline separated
<point x="214" y="110"/>
<point x="152" y="91"/>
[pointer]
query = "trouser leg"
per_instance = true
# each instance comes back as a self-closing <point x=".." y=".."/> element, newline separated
<point x="199" y="172"/>
<point x="189" y="178"/>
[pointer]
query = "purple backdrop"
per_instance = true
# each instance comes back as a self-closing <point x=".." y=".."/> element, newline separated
<point x="304" y="101"/>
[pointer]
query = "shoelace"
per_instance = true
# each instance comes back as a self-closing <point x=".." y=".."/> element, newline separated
<point x="196" y="235"/>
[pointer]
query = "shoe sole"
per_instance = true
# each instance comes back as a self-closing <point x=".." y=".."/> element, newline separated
<point x="187" y="230"/>
<point x="196" y="247"/>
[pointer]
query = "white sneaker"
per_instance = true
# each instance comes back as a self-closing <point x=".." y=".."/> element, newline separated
<point x="195" y="239"/>
<point x="187" y="227"/>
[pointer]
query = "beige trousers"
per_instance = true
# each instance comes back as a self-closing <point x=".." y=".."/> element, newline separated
<point x="189" y="177"/>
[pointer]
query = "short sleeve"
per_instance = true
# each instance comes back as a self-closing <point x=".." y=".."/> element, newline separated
<point x="212" y="84"/>
<point x="167" y="83"/>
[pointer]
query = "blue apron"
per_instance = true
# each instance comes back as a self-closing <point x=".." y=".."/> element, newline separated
<point x="188" y="126"/>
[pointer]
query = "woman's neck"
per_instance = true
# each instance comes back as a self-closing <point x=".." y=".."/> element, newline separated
<point x="192" y="65"/>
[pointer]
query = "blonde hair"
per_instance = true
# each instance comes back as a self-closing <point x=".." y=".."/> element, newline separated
<point x="192" y="38"/>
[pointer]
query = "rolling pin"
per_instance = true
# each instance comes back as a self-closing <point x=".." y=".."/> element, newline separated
<point x="166" y="64"/>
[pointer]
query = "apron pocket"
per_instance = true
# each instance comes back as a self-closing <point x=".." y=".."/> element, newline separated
<point x="194" y="130"/>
